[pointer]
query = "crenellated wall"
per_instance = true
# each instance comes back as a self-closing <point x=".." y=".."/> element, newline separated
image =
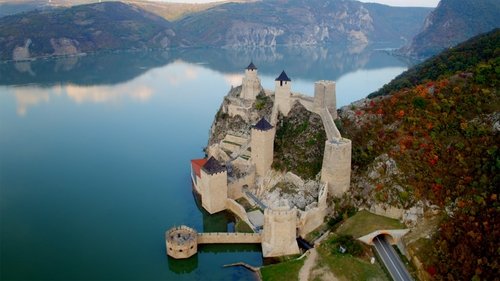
<point x="229" y="238"/>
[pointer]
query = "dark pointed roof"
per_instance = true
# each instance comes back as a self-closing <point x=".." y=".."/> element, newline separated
<point x="263" y="125"/>
<point x="213" y="166"/>
<point x="251" y="66"/>
<point x="283" y="77"/>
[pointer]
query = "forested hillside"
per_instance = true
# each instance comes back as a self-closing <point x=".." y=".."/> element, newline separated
<point x="440" y="125"/>
<point x="464" y="57"/>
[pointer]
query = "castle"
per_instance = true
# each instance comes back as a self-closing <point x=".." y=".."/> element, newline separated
<point x="239" y="166"/>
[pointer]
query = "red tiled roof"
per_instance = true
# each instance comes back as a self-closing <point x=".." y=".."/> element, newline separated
<point x="196" y="165"/>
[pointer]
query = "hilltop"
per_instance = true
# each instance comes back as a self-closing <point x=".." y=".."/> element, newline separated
<point x="431" y="148"/>
<point x="81" y="29"/>
<point x="453" y="22"/>
<point x="464" y="57"/>
<point x="168" y="10"/>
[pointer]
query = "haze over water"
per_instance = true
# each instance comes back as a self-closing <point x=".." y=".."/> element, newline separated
<point x="95" y="150"/>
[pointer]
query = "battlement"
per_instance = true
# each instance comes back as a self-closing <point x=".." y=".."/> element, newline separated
<point x="229" y="238"/>
<point x="181" y="242"/>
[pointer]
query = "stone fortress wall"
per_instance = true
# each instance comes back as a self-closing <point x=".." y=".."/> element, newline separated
<point x="220" y="185"/>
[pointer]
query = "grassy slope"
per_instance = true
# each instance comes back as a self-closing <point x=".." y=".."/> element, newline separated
<point x="364" y="222"/>
<point x="441" y="134"/>
<point x="285" y="271"/>
<point x="346" y="266"/>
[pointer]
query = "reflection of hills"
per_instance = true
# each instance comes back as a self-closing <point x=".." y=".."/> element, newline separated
<point x="98" y="69"/>
<point x="311" y="63"/>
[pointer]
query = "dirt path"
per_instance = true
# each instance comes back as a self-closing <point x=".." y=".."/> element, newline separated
<point x="309" y="264"/>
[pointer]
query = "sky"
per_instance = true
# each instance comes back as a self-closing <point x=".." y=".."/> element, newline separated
<point x="403" y="3"/>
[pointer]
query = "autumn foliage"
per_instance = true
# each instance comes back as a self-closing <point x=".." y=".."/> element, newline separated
<point x="442" y="134"/>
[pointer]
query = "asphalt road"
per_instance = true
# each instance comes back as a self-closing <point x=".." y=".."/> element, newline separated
<point x="391" y="260"/>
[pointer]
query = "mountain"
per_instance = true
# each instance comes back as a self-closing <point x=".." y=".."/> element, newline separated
<point x="169" y="11"/>
<point x="113" y="26"/>
<point x="452" y="22"/>
<point x="13" y="7"/>
<point x="464" y="57"/>
<point x="80" y="29"/>
<point x="299" y="22"/>
<point x="432" y="148"/>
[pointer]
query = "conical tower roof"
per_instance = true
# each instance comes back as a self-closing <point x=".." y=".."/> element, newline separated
<point x="213" y="166"/>
<point x="263" y="125"/>
<point x="283" y="77"/>
<point x="251" y="66"/>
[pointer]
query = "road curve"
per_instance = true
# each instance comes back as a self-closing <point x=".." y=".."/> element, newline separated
<point x="391" y="260"/>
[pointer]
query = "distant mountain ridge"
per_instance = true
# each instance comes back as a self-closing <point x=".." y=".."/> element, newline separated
<point x="299" y="22"/>
<point x="81" y="29"/>
<point x="111" y="26"/>
<point x="452" y="22"/>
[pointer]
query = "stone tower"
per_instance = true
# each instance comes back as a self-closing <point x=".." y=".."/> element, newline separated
<point x="325" y="97"/>
<point x="214" y="186"/>
<point x="282" y="93"/>
<point x="279" y="232"/>
<point x="336" y="169"/>
<point x="250" y="86"/>
<point x="262" y="144"/>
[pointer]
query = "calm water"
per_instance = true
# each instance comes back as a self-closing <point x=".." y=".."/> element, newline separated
<point x="95" y="150"/>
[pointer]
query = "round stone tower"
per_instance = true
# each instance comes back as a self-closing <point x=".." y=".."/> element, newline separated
<point x="181" y="242"/>
<point x="336" y="169"/>
<point x="282" y="93"/>
<point x="250" y="86"/>
<point x="262" y="144"/>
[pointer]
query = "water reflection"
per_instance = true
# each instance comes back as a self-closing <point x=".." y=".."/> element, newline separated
<point x="183" y="266"/>
<point x="307" y="62"/>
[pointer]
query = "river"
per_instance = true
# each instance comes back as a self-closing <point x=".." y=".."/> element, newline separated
<point x="95" y="150"/>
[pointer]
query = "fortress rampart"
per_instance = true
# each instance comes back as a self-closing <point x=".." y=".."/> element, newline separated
<point x="229" y="238"/>
<point x="246" y="160"/>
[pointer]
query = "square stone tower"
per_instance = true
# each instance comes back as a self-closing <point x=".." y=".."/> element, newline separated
<point x="325" y="97"/>
<point x="262" y="144"/>
<point x="283" y="94"/>
<point x="279" y="232"/>
<point x="250" y="86"/>
<point x="214" y="186"/>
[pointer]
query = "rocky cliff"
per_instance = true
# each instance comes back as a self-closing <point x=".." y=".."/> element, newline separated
<point x="453" y="22"/>
<point x="299" y="22"/>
